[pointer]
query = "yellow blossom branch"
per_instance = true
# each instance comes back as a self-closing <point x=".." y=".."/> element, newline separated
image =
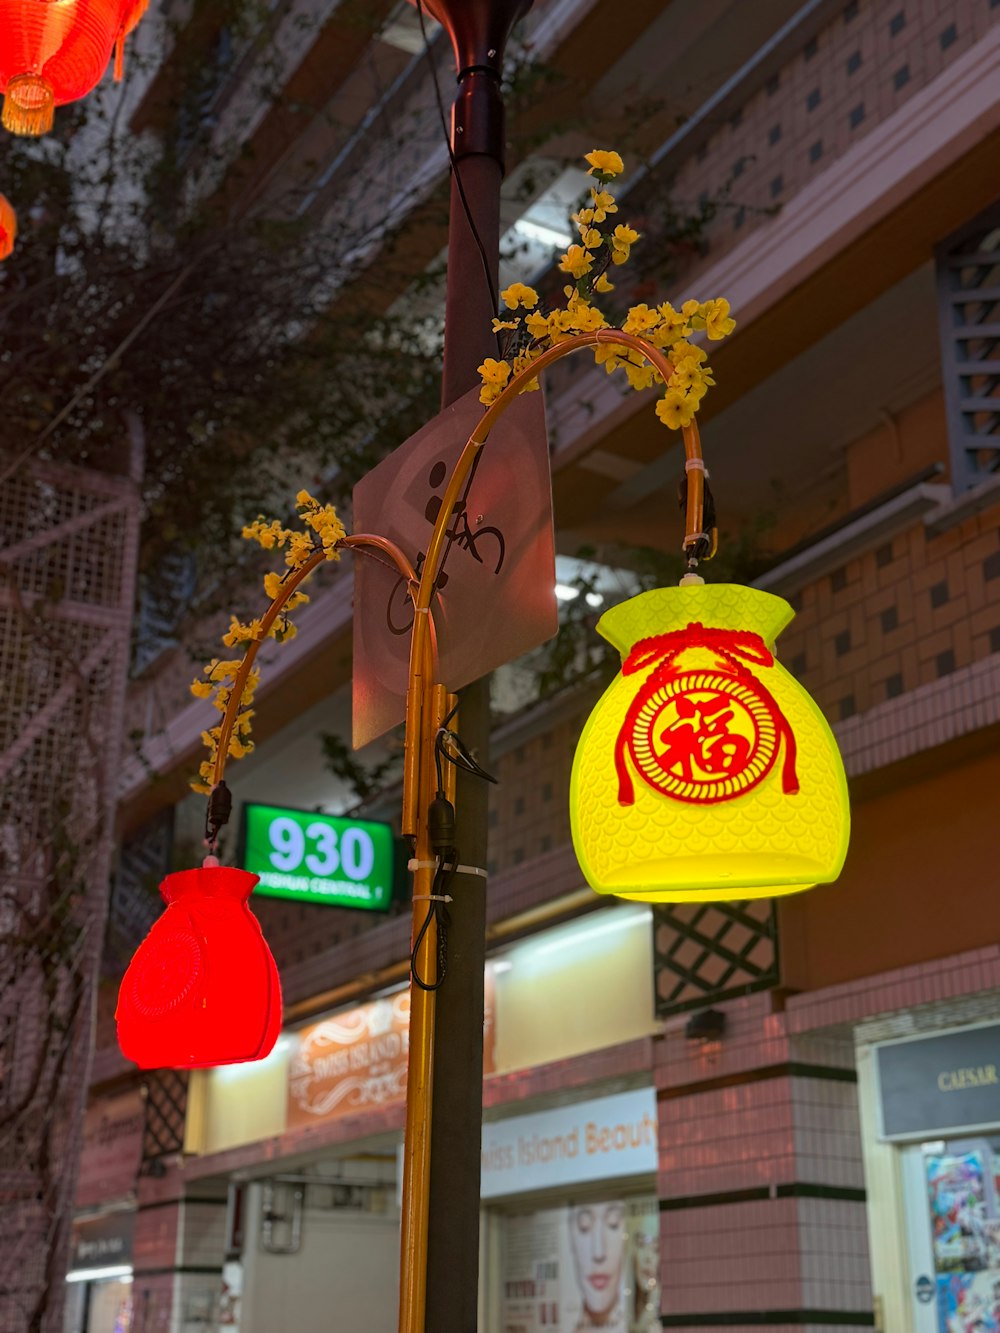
<point x="287" y="588"/>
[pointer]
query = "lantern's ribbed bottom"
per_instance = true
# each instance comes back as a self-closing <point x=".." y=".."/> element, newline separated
<point x="28" y="105"/>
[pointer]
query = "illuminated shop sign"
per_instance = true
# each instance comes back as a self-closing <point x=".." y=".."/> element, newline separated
<point x="940" y="1084"/>
<point x="318" y="858"/>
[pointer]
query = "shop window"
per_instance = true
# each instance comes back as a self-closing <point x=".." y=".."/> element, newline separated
<point x="842" y="642"/>
<point x="953" y="1198"/>
<point x="856" y="115"/>
<point x="816" y="151"/>
<point x="838" y="580"/>
<point x="854" y="62"/>
<point x="773" y="135"/>
<point x="949" y="36"/>
<point x="901" y="77"/>
<point x="939" y="593"/>
<point x="896" y="24"/>
<point x="797" y="665"/>
<point x="777" y="185"/>
<point x="944" y="663"/>
<point x="851" y="11"/>
<point x="894" y="686"/>
<point x="995" y="631"/>
<point x="772" y="85"/>
<point x="889" y="619"/>
<point x="991" y="566"/>
<point x="883" y="556"/>
<point x="813" y="100"/>
<point x="846" y="707"/>
<point x="810" y="48"/>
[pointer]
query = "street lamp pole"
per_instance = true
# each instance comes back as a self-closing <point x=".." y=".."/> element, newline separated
<point x="479" y="30"/>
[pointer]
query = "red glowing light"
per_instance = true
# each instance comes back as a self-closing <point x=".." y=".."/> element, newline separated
<point x="53" y="53"/>
<point x="202" y="988"/>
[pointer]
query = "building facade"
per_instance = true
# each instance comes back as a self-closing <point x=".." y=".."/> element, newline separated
<point x="771" y="1115"/>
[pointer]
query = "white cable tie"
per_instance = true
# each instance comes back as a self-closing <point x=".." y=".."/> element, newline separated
<point x="421" y="610"/>
<point x="433" y="898"/>
<point x="693" y="537"/>
<point x="446" y="865"/>
<point x="695" y="465"/>
<point x="414" y="864"/>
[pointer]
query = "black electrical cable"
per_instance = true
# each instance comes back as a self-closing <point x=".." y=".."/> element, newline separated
<point x="494" y="299"/>
<point x="437" y="910"/>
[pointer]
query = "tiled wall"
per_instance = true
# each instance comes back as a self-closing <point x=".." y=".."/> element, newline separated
<point x="761" y="1181"/>
<point x="909" y="612"/>
<point x="872" y="57"/>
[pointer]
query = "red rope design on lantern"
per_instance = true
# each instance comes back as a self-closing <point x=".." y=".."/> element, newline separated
<point x="737" y="651"/>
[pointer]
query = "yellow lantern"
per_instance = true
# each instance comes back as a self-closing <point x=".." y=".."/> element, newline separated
<point x="706" y="771"/>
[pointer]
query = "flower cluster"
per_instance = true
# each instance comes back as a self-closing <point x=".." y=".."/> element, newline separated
<point x="606" y="244"/>
<point x="319" y="535"/>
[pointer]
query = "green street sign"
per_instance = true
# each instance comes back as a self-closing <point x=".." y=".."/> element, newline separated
<point x="318" y="858"/>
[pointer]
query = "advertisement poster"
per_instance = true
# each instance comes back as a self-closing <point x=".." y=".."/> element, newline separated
<point x="965" y="1232"/>
<point x="582" y="1266"/>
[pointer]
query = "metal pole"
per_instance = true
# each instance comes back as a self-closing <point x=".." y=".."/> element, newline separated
<point x="479" y="30"/>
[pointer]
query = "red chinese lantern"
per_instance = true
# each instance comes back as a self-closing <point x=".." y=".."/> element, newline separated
<point x="8" y="228"/>
<point x="55" y="51"/>
<point x="202" y="988"/>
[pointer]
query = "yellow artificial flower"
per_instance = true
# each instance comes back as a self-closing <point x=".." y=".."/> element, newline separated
<point x="608" y="356"/>
<point x="718" y="323"/>
<point x="519" y="294"/>
<point x="300" y="548"/>
<point x="304" y="498"/>
<point x="622" y="240"/>
<point x="604" y="203"/>
<point x="604" y="163"/>
<point x="537" y="324"/>
<point x="602" y="284"/>
<point x="591" y="238"/>
<point x="639" y="377"/>
<point x="201" y="689"/>
<point x="584" y="218"/>
<point x="521" y="362"/>
<point x="272" y="585"/>
<point x="640" y="318"/>
<point x="237" y="748"/>
<point x="576" y="261"/>
<point x="494" y="372"/>
<point x="674" y="410"/>
<point x="296" y="599"/>
<point x="207" y="769"/>
<point x="500" y="324"/>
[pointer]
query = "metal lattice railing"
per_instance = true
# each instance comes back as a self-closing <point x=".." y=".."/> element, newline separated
<point x="67" y="566"/>
<point x="706" y="952"/>
<point x="968" y="268"/>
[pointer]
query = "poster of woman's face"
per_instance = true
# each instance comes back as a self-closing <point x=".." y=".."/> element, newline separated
<point x="591" y="1265"/>
<point x="598" y="1240"/>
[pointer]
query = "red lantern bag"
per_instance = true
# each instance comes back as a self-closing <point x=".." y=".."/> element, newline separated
<point x="202" y="988"/>
<point x="56" y="51"/>
<point x="8" y="228"/>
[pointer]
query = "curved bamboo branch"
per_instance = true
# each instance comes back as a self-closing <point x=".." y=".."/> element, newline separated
<point x="421" y="644"/>
<point x="290" y="584"/>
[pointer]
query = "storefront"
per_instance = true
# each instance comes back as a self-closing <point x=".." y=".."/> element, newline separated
<point x="99" y="1282"/>
<point x="937" y="1107"/>
<point x="571" y="1221"/>
<point x="570" y="1212"/>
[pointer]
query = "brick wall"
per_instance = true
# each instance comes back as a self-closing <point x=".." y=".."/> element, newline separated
<point x="909" y="612"/>
<point x="869" y="60"/>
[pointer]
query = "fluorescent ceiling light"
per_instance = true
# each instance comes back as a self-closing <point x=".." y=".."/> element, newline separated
<point x="123" y="1272"/>
<point x="565" y="593"/>
<point x="569" y="939"/>
<point x="539" y="232"/>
